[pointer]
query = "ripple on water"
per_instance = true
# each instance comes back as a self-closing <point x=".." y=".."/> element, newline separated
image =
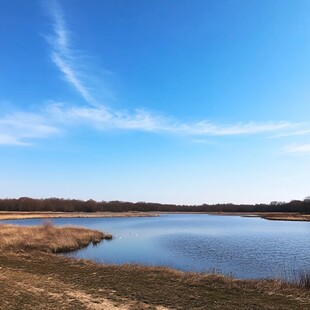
<point x="243" y="256"/>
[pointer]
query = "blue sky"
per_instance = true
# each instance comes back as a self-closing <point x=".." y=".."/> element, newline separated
<point x="173" y="101"/>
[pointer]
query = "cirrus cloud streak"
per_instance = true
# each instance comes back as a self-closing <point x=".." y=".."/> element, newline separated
<point x="21" y="127"/>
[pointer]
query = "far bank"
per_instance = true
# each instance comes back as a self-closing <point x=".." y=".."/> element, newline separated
<point x="278" y="216"/>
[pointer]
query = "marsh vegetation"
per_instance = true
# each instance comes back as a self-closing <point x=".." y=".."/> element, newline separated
<point x="47" y="238"/>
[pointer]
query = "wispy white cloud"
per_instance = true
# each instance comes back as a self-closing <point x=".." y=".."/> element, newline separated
<point x="9" y="139"/>
<point x="102" y="119"/>
<point x="19" y="128"/>
<point x="298" y="149"/>
<point x="210" y="129"/>
<point x="145" y="121"/>
<point x="63" y="55"/>
<point x="298" y="132"/>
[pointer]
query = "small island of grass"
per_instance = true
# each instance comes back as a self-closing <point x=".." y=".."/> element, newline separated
<point x="48" y="238"/>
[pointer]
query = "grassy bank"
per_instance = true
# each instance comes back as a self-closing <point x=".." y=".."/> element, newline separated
<point x="47" y="281"/>
<point x="47" y="238"/>
<point x="5" y="215"/>
<point x="32" y="277"/>
<point x="287" y="217"/>
<point x="279" y="216"/>
<point x="276" y="216"/>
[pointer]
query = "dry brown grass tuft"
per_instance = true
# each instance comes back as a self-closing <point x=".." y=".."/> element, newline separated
<point x="304" y="279"/>
<point x="47" y="238"/>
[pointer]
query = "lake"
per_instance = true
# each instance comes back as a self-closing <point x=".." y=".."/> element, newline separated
<point x="238" y="246"/>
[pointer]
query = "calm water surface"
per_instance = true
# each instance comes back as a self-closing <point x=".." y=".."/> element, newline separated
<point x="242" y="247"/>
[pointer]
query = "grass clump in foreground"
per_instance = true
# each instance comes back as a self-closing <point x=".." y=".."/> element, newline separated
<point x="299" y="278"/>
<point x="304" y="279"/>
<point x="47" y="238"/>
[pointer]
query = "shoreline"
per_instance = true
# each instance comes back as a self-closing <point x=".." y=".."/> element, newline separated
<point x="15" y="215"/>
<point x="69" y="283"/>
<point x="37" y="278"/>
<point x="273" y="216"/>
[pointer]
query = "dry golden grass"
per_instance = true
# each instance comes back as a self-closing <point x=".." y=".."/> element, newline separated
<point x="6" y="215"/>
<point x="278" y="216"/>
<point x="48" y="281"/>
<point x="47" y="238"/>
<point x="287" y="217"/>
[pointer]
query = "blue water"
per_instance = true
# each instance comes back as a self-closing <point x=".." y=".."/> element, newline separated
<point x="242" y="247"/>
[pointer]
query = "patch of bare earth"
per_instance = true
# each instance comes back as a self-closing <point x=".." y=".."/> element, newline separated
<point x="33" y="292"/>
<point x="23" y="290"/>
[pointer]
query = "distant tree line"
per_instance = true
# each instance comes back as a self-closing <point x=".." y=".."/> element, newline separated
<point x="73" y="205"/>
